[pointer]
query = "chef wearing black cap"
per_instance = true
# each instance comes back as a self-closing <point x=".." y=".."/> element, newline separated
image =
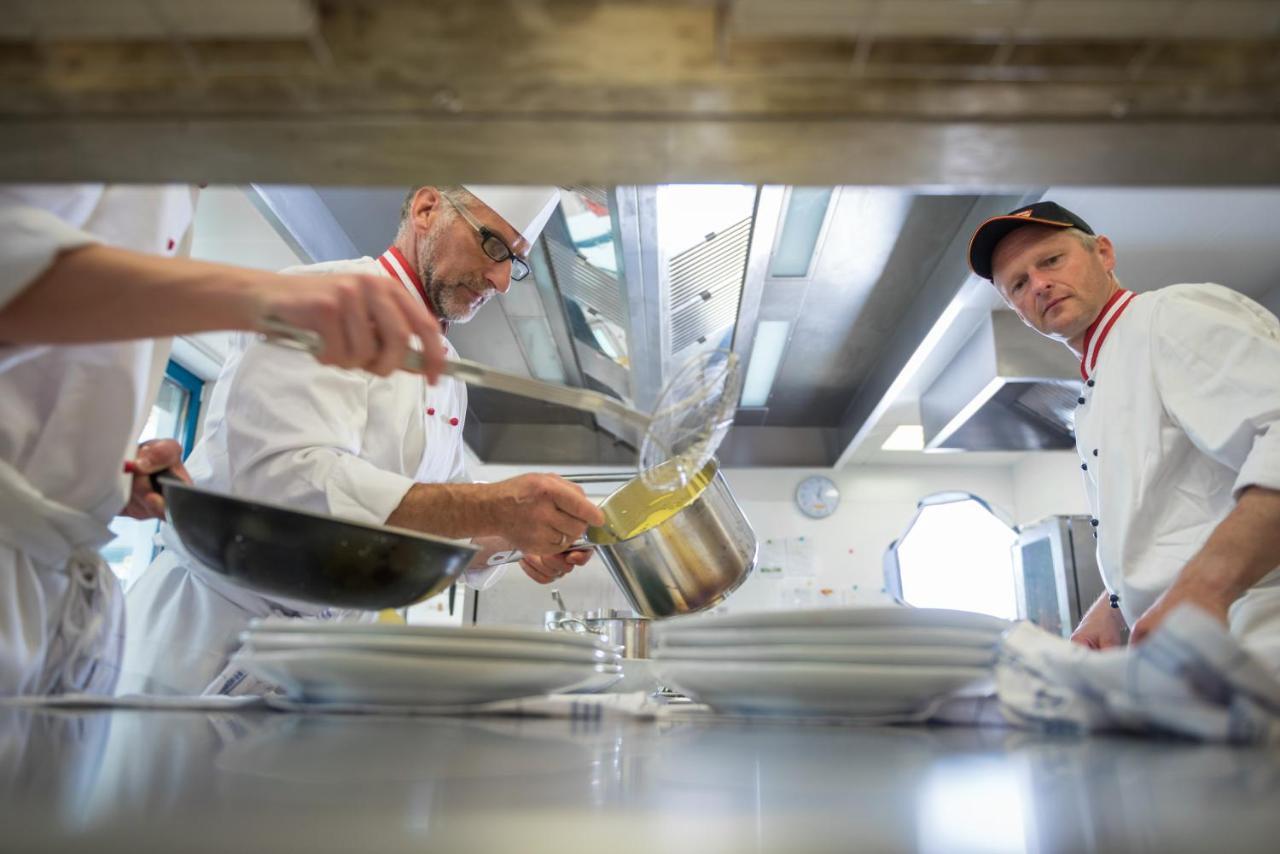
<point x="1177" y="427"/>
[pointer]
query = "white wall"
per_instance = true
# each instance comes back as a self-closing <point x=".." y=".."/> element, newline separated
<point x="877" y="503"/>
<point x="228" y="229"/>
<point x="1048" y="483"/>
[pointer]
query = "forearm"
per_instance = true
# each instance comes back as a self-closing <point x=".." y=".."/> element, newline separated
<point x="1242" y="549"/>
<point x="455" y="510"/>
<point x="103" y="293"/>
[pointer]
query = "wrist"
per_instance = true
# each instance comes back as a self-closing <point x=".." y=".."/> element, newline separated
<point x="475" y="502"/>
<point x="1212" y="581"/>
<point x="248" y="298"/>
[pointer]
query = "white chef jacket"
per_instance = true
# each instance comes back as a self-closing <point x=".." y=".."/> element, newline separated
<point x="1180" y="412"/>
<point x="284" y="428"/>
<point x="71" y="416"/>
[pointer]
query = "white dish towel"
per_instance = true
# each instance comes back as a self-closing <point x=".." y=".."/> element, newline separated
<point x="1189" y="678"/>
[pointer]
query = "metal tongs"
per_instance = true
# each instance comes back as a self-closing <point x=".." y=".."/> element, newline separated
<point x="474" y="373"/>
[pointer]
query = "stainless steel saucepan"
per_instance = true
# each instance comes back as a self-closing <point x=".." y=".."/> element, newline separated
<point x="671" y="552"/>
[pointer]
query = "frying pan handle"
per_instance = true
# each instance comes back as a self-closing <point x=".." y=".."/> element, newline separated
<point x="157" y="478"/>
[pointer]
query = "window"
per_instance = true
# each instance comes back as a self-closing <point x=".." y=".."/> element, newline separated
<point x="956" y="553"/>
<point x="174" y="415"/>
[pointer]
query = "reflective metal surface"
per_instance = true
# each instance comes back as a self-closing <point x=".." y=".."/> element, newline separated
<point x="1008" y="389"/>
<point x="129" y="781"/>
<point x="687" y="563"/>
<point x="620" y="628"/>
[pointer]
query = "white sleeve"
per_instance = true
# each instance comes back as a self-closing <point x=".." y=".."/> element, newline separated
<point x="1217" y="366"/>
<point x="32" y="239"/>
<point x="295" y="433"/>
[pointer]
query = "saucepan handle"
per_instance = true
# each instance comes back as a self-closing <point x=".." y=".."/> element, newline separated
<point x="500" y="558"/>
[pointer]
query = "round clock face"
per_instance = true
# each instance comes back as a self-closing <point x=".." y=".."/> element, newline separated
<point x="817" y="497"/>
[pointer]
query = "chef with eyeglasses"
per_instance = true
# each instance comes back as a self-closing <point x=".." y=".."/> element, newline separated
<point x="383" y="450"/>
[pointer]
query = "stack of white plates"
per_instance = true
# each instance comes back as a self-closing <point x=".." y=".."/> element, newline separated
<point x="888" y="662"/>
<point x="385" y="664"/>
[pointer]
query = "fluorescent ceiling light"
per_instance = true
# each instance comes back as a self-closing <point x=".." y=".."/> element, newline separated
<point x="766" y="356"/>
<point x="905" y="437"/>
<point x="806" y="210"/>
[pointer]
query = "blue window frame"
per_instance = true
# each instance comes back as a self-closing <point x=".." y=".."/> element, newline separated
<point x="194" y="386"/>
<point x="175" y="414"/>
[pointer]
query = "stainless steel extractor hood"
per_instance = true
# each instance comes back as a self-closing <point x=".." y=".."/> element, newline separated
<point x="1008" y="389"/>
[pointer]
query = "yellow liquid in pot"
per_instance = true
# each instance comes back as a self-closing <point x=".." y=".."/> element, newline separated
<point x="636" y="508"/>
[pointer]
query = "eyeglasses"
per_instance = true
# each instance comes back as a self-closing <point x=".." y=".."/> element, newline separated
<point x="493" y="245"/>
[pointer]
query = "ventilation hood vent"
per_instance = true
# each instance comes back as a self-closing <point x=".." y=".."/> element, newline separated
<point x="1008" y="389"/>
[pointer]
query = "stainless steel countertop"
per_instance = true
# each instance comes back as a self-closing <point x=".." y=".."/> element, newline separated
<point x="255" y="781"/>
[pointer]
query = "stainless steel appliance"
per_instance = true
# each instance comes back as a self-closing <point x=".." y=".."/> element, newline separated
<point x="1056" y="572"/>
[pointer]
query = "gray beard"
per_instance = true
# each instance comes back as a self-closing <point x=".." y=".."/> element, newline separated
<point x="433" y="287"/>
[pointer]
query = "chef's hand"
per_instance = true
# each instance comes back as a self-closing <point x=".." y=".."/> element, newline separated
<point x="1190" y="588"/>
<point x="156" y="455"/>
<point x="364" y="321"/>
<point x="1102" y="626"/>
<point x="541" y="514"/>
<point x="548" y="568"/>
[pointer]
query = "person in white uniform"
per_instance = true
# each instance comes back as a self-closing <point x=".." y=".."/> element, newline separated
<point x="380" y="450"/>
<point x="91" y="283"/>
<point x="1177" y="427"/>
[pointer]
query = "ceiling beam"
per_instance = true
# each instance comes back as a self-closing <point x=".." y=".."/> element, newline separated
<point x="408" y="151"/>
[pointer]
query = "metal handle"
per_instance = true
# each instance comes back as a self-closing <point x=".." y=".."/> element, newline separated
<point x="615" y="477"/>
<point x="474" y="373"/>
<point x="515" y="555"/>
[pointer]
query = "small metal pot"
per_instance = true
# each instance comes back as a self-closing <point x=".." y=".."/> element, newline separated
<point x="689" y="562"/>
<point x="623" y="629"/>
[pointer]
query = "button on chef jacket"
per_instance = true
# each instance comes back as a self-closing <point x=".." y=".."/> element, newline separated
<point x="1181" y="413"/>
<point x="283" y="428"/>
<point x="71" y="416"/>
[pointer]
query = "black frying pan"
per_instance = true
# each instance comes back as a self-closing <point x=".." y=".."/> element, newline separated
<point x="308" y="556"/>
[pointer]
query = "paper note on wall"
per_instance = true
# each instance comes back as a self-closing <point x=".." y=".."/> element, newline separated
<point x="801" y="562"/>
<point x="773" y="558"/>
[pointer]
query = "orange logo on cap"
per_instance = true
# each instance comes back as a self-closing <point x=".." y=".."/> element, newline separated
<point x="1027" y="212"/>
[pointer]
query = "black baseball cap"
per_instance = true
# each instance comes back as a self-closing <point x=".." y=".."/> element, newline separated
<point x="991" y="232"/>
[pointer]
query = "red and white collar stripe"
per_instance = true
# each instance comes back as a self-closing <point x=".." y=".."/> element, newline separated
<point x="398" y="267"/>
<point x="1101" y="327"/>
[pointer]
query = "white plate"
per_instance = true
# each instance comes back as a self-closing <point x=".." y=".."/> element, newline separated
<point x="367" y="677"/>
<point x="826" y="636"/>
<point x="895" y="616"/>
<point x="846" y="690"/>
<point x="909" y="656"/>
<point x="455" y="647"/>
<point x="500" y="633"/>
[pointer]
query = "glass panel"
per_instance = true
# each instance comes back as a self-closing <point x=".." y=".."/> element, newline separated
<point x="806" y="210"/>
<point x="958" y="555"/>
<point x="585" y="262"/>
<point x="133" y="547"/>
<point x="586" y="213"/>
<point x="539" y="348"/>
